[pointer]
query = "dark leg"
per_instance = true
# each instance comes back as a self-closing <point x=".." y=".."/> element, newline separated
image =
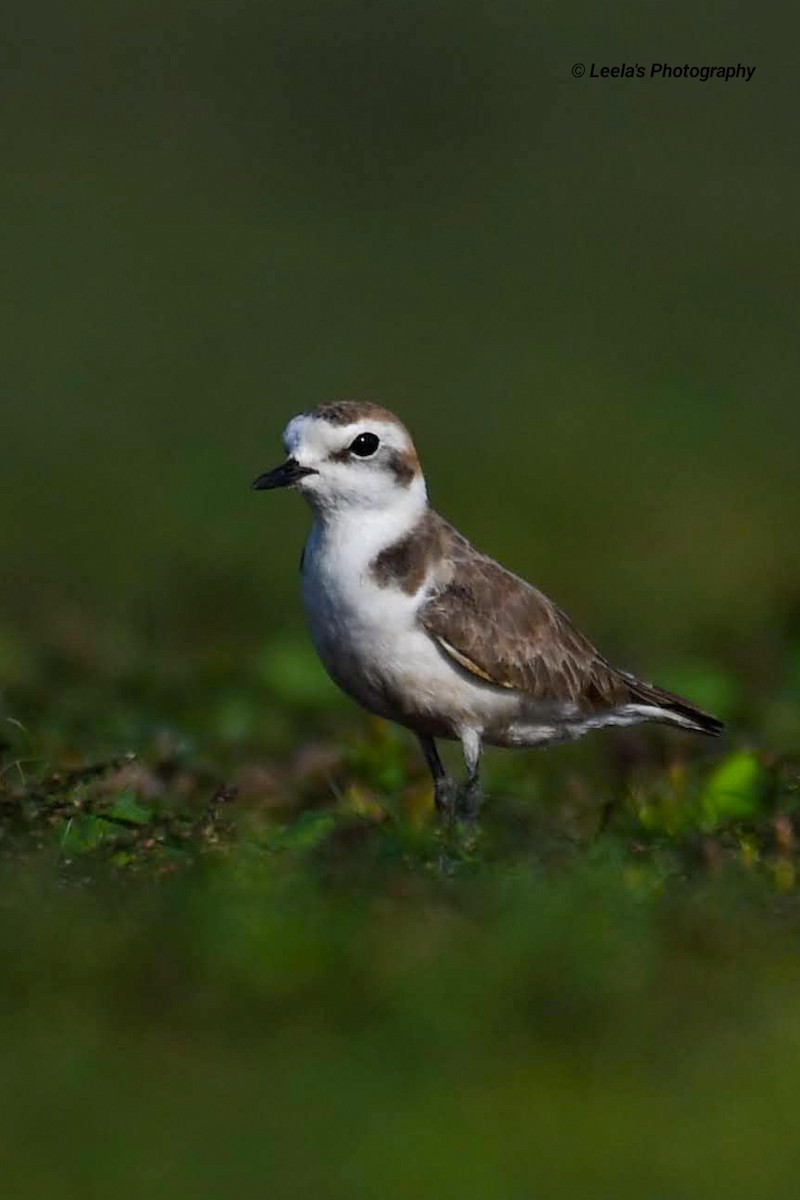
<point x="470" y="794"/>
<point x="443" y="789"/>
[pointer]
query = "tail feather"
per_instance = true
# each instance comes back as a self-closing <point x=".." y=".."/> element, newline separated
<point x="686" y="714"/>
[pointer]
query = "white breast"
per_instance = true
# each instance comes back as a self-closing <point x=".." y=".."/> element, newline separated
<point x="370" y="642"/>
<point x="362" y="632"/>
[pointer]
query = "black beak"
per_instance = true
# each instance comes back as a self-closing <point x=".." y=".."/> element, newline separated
<point x="285" y="475"/>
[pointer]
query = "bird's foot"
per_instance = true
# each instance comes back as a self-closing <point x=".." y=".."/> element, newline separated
<point x="457" y="808"/>
<point x="469" y="801"/>
<point x="445" y="798"/>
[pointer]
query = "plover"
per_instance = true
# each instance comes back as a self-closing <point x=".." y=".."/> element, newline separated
<point x="420" y="627"/>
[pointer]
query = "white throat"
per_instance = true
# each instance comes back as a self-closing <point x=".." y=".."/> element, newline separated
<point x="360" y="532"/>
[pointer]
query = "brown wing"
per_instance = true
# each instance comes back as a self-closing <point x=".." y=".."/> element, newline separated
<point x="507" y="633"/>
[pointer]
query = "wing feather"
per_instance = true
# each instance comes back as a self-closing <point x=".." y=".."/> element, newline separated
<point x="507" y="633"/>
<point x="468" y="664"/>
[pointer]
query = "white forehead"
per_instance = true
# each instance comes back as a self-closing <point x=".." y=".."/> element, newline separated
<point x="314" y="436"/>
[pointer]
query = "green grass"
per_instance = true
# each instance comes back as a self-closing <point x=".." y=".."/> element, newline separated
<point x="240" y="957"/>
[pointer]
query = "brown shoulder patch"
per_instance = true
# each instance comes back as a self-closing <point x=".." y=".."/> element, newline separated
<point x="407" y="561"/>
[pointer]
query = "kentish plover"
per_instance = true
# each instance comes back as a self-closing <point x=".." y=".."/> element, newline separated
<point x="421" y="628"/>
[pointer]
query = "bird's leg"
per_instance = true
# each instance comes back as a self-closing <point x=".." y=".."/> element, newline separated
<point x="470" y="794"/>
<point x="443" y="787"/>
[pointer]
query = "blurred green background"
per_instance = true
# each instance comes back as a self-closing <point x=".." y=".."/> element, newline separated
<point x="580" y="294"/>
<point x="245" y="962"/>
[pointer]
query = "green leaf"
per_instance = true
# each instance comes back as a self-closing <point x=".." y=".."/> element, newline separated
<point x="735" y="790"/>
<point x="305" y="833"/>
<point x="127" y="808"/>
<point x="82" y="833"/>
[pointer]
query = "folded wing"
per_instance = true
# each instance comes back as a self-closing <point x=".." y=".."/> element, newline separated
<point x="507" y="633"/>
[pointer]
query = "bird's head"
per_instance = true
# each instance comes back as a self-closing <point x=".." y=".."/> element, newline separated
<point x="349" y="455"/>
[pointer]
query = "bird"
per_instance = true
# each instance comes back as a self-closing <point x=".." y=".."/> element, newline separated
<point x="423" y="629"/>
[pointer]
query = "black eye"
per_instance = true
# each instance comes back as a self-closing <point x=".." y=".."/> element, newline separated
<point x="365" y="444"/>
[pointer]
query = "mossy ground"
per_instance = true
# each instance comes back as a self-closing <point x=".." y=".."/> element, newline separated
<point x="241" y="956"/>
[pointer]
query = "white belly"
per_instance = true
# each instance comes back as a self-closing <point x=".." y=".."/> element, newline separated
<point x="373" y="647"/>
<point x="369" y="641"/>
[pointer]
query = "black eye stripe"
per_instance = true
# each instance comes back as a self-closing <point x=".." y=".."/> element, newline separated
<point x="365" y="445"/>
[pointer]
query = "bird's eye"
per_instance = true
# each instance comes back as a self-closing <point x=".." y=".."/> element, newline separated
<point x="365" y="444"/>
